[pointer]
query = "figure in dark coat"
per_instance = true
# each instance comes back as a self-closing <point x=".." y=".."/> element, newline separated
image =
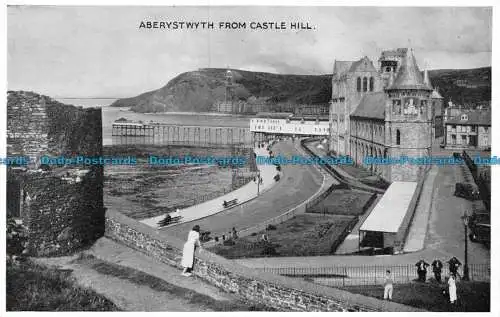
<point x="454" y="264"/>
<point x="437" y="267"/>
<point x="422" y="270"/>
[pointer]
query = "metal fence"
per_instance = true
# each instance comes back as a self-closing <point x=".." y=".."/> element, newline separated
<point x="339" y="276"/>
<point x="481" y="178"/>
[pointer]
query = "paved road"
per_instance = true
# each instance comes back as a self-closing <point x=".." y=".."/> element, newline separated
<point x="214" y="206"/>
<point x="299" y="183"/>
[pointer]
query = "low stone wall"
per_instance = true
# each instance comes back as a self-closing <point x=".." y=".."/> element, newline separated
<point x="279" y="292"/>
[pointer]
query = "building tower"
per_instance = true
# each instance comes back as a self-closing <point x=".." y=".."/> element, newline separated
<point x="229" y="92"/>
<point x="408" y="117"/>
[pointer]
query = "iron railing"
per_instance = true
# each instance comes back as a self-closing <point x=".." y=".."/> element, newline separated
<point x="339" y="276"/>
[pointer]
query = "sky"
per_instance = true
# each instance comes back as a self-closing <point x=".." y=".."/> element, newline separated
<point x="102" y="52"/>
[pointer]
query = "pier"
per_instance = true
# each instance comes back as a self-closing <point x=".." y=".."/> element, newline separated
<point x="171" y="134"/>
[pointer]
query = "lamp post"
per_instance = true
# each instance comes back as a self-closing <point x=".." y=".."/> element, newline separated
<point x="258" y="183"/>
<point x="465" y="219"/>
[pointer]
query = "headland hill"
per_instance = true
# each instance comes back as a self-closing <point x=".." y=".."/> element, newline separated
<point x="200" y="90"/>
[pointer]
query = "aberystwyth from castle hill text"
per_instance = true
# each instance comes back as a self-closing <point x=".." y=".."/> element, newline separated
<point x="225" y="25"/>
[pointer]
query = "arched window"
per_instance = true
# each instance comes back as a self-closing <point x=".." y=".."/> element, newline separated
<point x="365" y="84"/>
<point x="359" y="84"/>
<point x="398" y="137"/>
<point x="371" y="83"/>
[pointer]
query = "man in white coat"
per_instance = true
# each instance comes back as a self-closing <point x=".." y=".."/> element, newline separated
<point x="192" y="242"/>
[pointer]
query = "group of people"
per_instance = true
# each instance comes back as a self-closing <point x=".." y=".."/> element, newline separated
<point x="437" y="268"/>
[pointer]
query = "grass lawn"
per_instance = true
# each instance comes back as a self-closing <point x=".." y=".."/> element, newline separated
<point x="343" y="202"/>
<point x="472" y="296"/>
<point x="303" y="235"/>
<point x="32" y="287"/>
<point x="141" y="278"/>
<point x="355" y="171"/>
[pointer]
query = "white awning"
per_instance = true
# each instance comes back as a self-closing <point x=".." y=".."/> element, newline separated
<point x="391" y="209"/>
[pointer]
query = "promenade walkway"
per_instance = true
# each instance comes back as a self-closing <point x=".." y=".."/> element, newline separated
<point x="298" y="183"/>
<point x="243" y="194"/>
<point x="418" y="229"/>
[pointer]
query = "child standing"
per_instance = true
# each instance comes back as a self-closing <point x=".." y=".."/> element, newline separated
<point x="388" y="285"/>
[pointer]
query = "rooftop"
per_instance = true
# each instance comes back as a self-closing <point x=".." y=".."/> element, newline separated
<point x="340" y="68"/>
<point x="409" y="75"/>
<point x="477" y="117"/>
<point x="388" y="214"/>
<point x="372" y="105"/>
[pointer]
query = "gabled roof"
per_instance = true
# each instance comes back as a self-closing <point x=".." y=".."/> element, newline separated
<point x="436" y="95"/>
<point x="477" y="117"/>
<point x="363" y="65"/>
<point x="372" y="105"/>
<point x="409" y="76"/>
<point x="341" y="67"/>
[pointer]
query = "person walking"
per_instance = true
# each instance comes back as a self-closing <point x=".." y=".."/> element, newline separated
<point x="388" y="285"/>
<point x="422" y="270"/>
<point x="437" y="267"/>
<point x="192" y="242"/>
<point x="235" y="233"/>
<point x="452" y="289"/>
<point x="454" y="264"/>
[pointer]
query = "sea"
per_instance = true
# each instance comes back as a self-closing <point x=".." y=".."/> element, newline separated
<point x="140" y="193"/>
<point x="110" y="114"/>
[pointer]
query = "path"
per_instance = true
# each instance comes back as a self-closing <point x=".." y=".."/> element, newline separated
<point x="298" y="184"/>
<point x="418" y="228"/>
<point x="128" y="295"/>
<point x="214" y="206"/>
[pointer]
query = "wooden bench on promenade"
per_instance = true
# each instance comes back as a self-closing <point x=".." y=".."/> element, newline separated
<point x="227" y="204"/>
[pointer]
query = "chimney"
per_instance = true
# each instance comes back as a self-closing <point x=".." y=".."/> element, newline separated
<point x="427" y="81"/>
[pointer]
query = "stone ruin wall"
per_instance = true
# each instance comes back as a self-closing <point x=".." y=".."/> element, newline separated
<point x="61" y="206"/>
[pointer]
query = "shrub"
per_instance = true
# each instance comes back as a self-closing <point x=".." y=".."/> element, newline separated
<point x="205" y="236"/>
<point x="269" y="250"/>
<point x="271" y="227"/>
<point x="16" y="238"/>
<point x="229" y="242"/>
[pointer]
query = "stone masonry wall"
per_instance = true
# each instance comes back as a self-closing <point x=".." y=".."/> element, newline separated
<point x="63" y="214"/>
<point x="282" y="293"/>
<point x="62" y="206"/>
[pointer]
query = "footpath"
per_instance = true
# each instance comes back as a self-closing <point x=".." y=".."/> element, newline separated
<point x="136" y="282"/>
<point x="243" y="194"/>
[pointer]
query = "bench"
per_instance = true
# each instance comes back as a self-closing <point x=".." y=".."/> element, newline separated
<point x="227" y="204"/>
<point x="168" y="220"/>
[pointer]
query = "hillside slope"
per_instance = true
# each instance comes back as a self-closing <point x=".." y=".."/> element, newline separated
<point x="197" y="91"/>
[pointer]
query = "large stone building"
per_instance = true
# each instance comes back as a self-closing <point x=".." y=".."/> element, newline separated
<point x="383" y="112"/>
